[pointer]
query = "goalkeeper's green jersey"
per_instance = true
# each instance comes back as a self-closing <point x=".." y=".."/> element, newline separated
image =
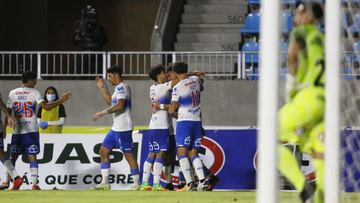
<point x="311" y="67"/>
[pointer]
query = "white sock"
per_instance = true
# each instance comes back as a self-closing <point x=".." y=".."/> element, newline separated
<point x="168" y="174"/>
<point x="198" y="168"/>
<point x="105" y="176"/>
<point x="147" y="171"/>
<point x="185" y="168"/>
<point x="158" y="165"/>
<point x="34" y="175"/>
<point x="136" y="180"/>
<point x="10" y="169"/>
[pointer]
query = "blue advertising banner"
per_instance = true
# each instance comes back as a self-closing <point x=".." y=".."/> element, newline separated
<point x="227" y="153"/>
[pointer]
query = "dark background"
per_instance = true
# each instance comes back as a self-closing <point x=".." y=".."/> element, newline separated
<point x="47" y="25"/>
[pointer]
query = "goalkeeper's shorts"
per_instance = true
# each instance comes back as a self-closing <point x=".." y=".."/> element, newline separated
<point x="300" y="115"/>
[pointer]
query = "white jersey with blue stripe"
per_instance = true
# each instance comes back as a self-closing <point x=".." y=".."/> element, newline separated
<point x="23" y="102"/>
<point x="123" y="119"/>
<point x="187" y="94"/>
<point x="160" y="93"/>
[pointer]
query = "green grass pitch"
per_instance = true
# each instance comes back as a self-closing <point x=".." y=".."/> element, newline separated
<point x="78" y="196"/>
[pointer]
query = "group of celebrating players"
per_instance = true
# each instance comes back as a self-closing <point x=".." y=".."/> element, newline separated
<point x="174" y="95"/>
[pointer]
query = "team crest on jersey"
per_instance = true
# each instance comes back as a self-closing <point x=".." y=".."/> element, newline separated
<point x="120" y="89"/>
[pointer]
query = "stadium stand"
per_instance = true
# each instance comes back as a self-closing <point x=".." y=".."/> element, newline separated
<point x="211" y="25"/>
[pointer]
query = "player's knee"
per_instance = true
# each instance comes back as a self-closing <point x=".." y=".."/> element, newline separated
<point x="160" y="155"/>
<point x="182" y="151"/>
<point x="152" y="155"/>
<point x="104" y="152"/>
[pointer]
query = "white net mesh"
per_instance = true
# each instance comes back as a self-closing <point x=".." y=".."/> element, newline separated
<point x="350" y="103"/>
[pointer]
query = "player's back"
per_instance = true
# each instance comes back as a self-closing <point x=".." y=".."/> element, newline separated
<point x="311" y="69"/>
<point x="187" y="91"/>
<point x="23" y="102"/>
<point x="160" y="93"/>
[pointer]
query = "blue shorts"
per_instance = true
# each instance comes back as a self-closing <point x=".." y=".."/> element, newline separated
<point x="27" y="143"/>
<point x="188" y="134"/>
<point x="158" y="140"/>
<point x="122" y="140"/>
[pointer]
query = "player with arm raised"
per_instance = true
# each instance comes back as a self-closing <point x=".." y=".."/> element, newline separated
<point x="120" y="134"/>
<point x="304" y="109"/>
<point x="25" y="139"/>
<point x="186" y="99"/>
<point x="158" y="128"/>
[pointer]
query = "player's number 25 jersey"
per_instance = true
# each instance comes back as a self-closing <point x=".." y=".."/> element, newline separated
<point x="23" y="102"/>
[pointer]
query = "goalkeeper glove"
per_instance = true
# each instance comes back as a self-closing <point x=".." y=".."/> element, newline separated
<point x="43" y="124"/>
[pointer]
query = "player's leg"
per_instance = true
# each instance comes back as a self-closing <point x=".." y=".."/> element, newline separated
<point x="10" y="168"/>
<point x="148" y="165"/>
<point x="196" y="134"/>
<point x="126" y="145"/>
<point x="317" y="146"/>
<point x="183" y="140"/>
<point x="161" y="143"/>
<point x="147" y="171"/>
<point x="170" y="159"/>
<point x="296" y="119"/>
<point x="31" y="143"/>
<point x="15" y="150"/>
<point x="107" y="145"/>
<point x="212" y="178"/>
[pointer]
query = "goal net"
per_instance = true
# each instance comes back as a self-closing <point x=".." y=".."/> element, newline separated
<point x="342" y="139"/>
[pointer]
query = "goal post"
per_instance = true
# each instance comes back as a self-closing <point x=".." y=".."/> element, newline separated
<point x="332" y="95"/>
<point x="268" y="101"/>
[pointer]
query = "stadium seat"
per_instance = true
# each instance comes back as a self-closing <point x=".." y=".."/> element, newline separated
<point x="251" y="46"/>
<point x="251" y="59"/>
<point x="283" y="71"/>
<point x="252" y="24"/>
<point x="283" y="59"/>
<point x="287" y="22"/>
<point x="290" y="2"/>
<point x="347" y="71"/>
<point x="253" y="2"/>
<point x="355" y="27"/>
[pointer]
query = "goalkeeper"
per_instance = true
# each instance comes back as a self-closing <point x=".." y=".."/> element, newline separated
<point x="305" y="102"/>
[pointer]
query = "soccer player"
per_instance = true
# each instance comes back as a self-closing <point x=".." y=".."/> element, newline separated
<point x="212" y="178"/>
<point x="120" y="134"/>
<point x="158" y="128"/>
<point x="9" y="121"/>
<point x="186" y="99"/>
<point x="304" y="108"/>
<point x="25" y="138"/>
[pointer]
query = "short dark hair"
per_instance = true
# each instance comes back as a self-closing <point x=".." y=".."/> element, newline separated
<point x="180" y="67"/>
<point x="315" y="8"/>
<point x="155" y="71"/>
<point x="27" y="76"/>
<point x="115" y="70"/>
